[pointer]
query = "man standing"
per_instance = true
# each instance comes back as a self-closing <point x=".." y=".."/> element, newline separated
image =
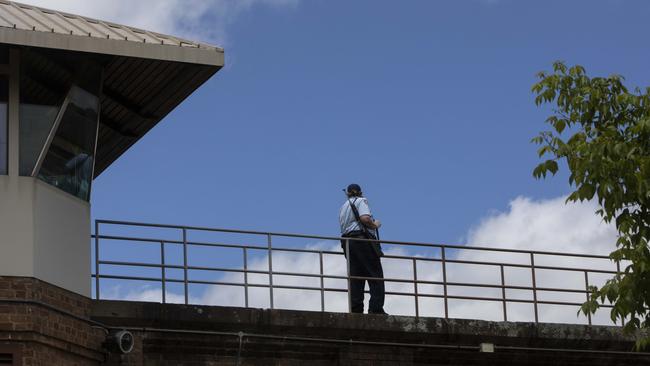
<point x="357" y="222"/>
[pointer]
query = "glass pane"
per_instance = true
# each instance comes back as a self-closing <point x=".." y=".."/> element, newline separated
<point x="43" y="86"/>
<point x="4" y="54"/>
<point x="69" y="161"/>
<point x="35" y="124"/>
<point x="4" y="93"/>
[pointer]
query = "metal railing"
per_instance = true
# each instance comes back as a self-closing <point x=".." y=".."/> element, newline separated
<point x="440" y="254"/>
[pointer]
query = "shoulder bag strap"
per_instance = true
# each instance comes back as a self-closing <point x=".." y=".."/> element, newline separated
<point x="363" y="227"/>
<point x="375" y="245"/>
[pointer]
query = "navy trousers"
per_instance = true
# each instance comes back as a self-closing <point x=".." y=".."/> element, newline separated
<point x="364" y="262"/>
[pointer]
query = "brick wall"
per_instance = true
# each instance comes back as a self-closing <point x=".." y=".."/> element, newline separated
<point x="44" y="335"/>
<point x="44" y="325"/>
<point x="208" y="336"/>
<point x="205" y="350"/>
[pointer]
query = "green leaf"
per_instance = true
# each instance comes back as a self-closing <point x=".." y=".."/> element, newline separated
<point x="543" y="150"/>
<point x="551" y="166"/>
<point x="608" y="157"/>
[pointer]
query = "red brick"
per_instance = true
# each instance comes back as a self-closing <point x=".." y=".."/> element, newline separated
<point x="77" y="338"/>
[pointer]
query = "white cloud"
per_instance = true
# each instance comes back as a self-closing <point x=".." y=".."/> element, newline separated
<point x="548" y="225"/>
<point x="202" y="20"/>
<point x="147" y="293"/>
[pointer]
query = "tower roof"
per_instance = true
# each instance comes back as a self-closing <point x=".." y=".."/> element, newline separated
<point x="146" y="74"/>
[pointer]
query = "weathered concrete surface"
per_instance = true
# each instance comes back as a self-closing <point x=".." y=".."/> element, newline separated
<point x="456" y="340"/>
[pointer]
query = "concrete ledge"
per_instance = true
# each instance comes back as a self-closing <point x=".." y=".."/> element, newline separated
<point x="362" y="327"/>
<point x="169" y="334"/>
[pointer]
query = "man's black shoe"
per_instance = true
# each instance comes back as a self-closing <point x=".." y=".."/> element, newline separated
<point x="380" y="312"/>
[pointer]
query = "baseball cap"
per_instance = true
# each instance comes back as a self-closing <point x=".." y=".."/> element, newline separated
<point x="354" y="187"/>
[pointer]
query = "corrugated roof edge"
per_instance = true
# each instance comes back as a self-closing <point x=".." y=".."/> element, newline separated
<point x="180" y="41"/>
<point x="190" y="55"/>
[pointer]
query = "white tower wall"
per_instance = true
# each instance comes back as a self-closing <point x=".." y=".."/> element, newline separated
<point x="44" y="233"/>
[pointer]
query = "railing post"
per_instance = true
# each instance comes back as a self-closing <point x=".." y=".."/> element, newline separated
<point x="96" y="260"/>
<point x="245" y="277"/>
<point x="322" y="283"/>
<point x="268" y="237"/>
<point x="618" y="272"/>
<point x="185" y="266"/>
<point x="444" y="280"/>
<point x="162" y="271"/>
<point x="587" y="293"/>
<point x="347" y="260"/>
<point x="445" y="283"/>
<point x="503" y="294"/>
<point x="532" y="269"/>
<point x="415" y="286"/>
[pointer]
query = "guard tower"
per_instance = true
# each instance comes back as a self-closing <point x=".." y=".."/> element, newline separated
<point x="75" y="94"/>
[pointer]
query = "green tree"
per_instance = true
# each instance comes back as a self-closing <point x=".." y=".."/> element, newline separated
<point x="603" y="131"/>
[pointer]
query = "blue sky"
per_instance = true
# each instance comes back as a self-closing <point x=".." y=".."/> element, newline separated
<point x="426" y="104"/>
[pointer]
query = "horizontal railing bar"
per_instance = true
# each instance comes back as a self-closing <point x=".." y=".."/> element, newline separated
<point x="333" y="289"/>
<point x="140" y="264"/>
<point x="517" y="265"/>
<point x="178" y="266"/>
<point x="220" y="245"/>
<point x="223" y="283"/>
<point x="171" y="241"/>
<point x="265" y="248"/>
<point x="219" y="269"/>
<point x="152" y="265"/>
<point x="335" y="277"/>
<point x="234" y="231"/>
<point x="339" y="277"/>
<point x="590" y="270"/>
<point x="457" y="261"/>
<point x="135" y="238"/>
<point x="134" y="278"/>
<point x="436" y="254"/>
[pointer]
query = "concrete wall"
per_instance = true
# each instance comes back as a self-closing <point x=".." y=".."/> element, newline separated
<point x="41" y="324"/>
<point x="16" y="226"/>
<point x="170" y="334"/>
<point x="61" y="238"/>
<point x="44" y="233"/>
